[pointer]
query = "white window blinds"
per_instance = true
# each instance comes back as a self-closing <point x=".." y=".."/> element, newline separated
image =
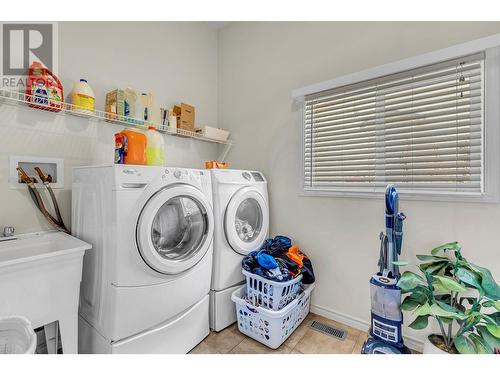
<point x="420" y="130"/>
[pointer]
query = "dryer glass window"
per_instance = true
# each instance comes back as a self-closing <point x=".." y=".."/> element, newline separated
<point x="248" y="222"/>
<point x="179" y="228"/>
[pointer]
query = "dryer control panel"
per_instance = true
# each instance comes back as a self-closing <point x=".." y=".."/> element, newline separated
<point x="232" y="176"/>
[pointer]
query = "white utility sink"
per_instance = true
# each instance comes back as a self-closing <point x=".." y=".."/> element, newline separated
<point x="40" y="276"/>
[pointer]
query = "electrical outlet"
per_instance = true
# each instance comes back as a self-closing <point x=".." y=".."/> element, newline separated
<point x="50" y="166"/>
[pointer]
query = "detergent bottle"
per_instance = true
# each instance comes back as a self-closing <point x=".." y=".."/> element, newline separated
<point x="154" y="113"/>
<point x="43" y="88"/>
<point x="129" y="104"/>
<point x="141" y="112"/>
<point x="155" y="150"/>
<point x="148" y="112"/>
<point x="136" y="143"/>
<point x="82" y="97"/>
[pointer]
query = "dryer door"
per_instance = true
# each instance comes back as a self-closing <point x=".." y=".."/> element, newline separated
<point x="246" y="220"/>
<point x="175" y="229"/>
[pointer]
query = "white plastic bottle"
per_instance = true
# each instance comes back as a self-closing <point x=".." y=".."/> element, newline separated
<point x="141" y="111"/>
<point x="82" y="97"/>
<point x="155" y="149"/>
<point x="130" y="101"/>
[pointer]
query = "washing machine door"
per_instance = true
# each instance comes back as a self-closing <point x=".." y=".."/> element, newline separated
<point x="175" y="229"/>
<point x="246" y="220"/>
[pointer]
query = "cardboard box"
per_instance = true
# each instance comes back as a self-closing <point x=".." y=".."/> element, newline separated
<point x="185" y="117"/>
<point x="115" y="106"/>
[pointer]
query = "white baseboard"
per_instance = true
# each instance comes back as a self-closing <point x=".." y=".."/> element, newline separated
<point x="411" y="342"/>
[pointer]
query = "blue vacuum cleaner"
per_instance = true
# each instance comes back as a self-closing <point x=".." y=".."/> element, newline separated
<point x="386" y="317"/>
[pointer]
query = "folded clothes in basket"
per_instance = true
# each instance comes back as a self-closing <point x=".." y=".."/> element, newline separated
<point x="278" y="260"/>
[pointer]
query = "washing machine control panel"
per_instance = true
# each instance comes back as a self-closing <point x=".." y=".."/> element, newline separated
<point x="184" y="174"/>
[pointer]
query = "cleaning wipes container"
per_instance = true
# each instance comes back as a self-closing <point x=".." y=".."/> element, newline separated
<point x="155" y="150"/>
<point x="82" y="97"/>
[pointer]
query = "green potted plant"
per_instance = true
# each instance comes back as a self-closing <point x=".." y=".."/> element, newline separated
<point x="461" y="297"/>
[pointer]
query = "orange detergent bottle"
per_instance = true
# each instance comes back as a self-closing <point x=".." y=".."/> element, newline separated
<point x="136" y="147"/>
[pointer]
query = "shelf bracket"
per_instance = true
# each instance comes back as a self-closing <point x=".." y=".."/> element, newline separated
<point x="225" y="152"/>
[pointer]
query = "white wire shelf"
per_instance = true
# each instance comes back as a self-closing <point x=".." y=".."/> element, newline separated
<point x="20" y="98"/>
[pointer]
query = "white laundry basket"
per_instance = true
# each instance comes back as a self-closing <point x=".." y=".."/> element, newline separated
<point x="16" y="336"/>
<point x="272" y="295"/>
<point x="271" y="328"/>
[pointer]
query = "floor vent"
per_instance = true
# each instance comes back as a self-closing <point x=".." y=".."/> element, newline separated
<point x="328" y="330"/>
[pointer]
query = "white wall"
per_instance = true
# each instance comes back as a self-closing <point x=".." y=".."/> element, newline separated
<point x="176" y="61"/>
<point x="259" y="65"/>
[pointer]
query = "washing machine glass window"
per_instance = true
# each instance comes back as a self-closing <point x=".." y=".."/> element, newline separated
<point x="248" y="220"/>
<point x="175" y="229"/>
<point x="179" y="227"/>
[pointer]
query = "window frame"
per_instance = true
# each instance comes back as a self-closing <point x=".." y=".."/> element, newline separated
<point x="490" y="46"/>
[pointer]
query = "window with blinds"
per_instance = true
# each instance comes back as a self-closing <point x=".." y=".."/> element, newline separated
<point x="420" y="130"/>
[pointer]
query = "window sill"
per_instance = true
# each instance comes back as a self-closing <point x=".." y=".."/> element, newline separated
<point x="405" y="195"/>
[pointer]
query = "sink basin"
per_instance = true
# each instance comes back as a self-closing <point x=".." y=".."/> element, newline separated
<point x="37" y="246"/>
<point x="40" y="276"/>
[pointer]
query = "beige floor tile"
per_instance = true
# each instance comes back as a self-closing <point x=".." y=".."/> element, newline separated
<point x="225" y="340"/>
<point x="203" y="348"/>
<point x="314" y="342"/>
<point x="303" y="340"/>
<point x="295" y="337"/>
<point x="359" y="343"/>
<point x="250" y="346"/>
<point x="351" y="331"/>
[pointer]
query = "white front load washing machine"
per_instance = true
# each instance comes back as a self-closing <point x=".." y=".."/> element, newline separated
<point x="241" y="214"/>
<point x="145" y="285"/>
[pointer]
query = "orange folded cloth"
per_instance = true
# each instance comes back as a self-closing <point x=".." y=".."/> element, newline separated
<point x="296" y="255"/>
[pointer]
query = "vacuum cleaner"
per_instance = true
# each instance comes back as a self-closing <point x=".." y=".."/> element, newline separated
<point x="385" y="336"/>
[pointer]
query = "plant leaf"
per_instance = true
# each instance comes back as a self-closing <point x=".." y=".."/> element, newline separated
<point x="424" y="309"/>
<point x="464" y="345"/>
<point x="492" y="303"/>
<point x="491" y="288"/>
<point x="420" y="323"/>
<point x="439" y="311"/>
<point x="481" y="346"/>
<point x="410" y="303"/>
<point x="439" y="289"/>
<point x="469" y="277"/>
<point x="446" y="320"/>
<point x="433" y="267"/>
<point x="493" y="329"/>
<point x="492" y="341"/>
<point x="447" y="307"/>
<point x="495" y="317"/>
<point x="421" y="294"/>
<point x="450" y="284"/>
<point x="409" y="280"/>
<point x="430" y="258"/>
<point x="453" y="246"/>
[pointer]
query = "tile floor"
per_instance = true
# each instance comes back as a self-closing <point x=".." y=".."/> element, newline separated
<point x="303" y="341"/>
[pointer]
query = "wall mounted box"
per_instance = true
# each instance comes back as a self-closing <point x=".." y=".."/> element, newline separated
<point x="50" y="166"/>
